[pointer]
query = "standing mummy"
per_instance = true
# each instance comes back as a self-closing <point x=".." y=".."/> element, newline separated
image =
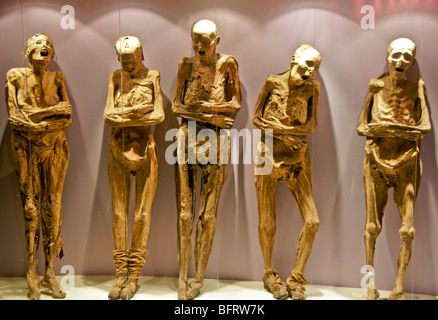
<point x="39" y="111"/>
<point x="133" y="105"/>
<point x="207" y="94"/>
<point x="287" y="107"/>
<point x="394" y="120"/>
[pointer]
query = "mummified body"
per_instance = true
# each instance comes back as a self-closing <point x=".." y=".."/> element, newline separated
<point x="208" y="92"/>
<point x="134" y="104"/>
<point x="39" y="111"/>
<point x="394" y="120"/>
<point x="288" y="105"/>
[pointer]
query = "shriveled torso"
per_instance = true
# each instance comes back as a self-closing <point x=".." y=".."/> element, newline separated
<point x="210" y="84"/>
<point x="131" y="144"/>
<point x="397" y="104"/>
<point x="291" y="108"/>
<point x="35" y="93"/>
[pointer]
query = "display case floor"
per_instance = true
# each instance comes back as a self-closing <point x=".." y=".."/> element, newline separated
<point x="89" y="287"/>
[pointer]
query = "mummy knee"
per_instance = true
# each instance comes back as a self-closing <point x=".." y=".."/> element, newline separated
<point x="312" y="225"/>
<point x="185" y="225"/>
<point x="185" y="219"/>
<point x="52" y="206"/>
<point x="208" y="219"/>
<point x="119" y="216"/>
<point x="142" y="218"/>
<point x="407" y="234"/>
<point x="267" y="225"/>
<point x="372" y="230"/>
<point x="30" y="209"/>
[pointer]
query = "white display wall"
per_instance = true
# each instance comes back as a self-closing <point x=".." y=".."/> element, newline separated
<point x="262" y="36"/>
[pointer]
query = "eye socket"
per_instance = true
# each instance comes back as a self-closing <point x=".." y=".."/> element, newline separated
<point x="407" y="57"/>
<point x="199" y="39"/>
<point x="127" y="61"/>
<point x="396" y="55"/>
<point x="204" y="42"/>
<point x="310" y="63"/>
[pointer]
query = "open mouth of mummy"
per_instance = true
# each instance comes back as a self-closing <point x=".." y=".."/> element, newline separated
<point x="399" y="69"/>
<point x="304" y="77"/>
<point x="201" y="53"/>
<point x="44" y="53"/>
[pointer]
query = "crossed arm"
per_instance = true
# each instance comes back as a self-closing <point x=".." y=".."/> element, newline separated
<point x="143" y="114"/>
<point x="23" y="116"/>
<point x="390" y="129"/>
<point x="274" y="124"/>
<point x="216" y="113"/>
